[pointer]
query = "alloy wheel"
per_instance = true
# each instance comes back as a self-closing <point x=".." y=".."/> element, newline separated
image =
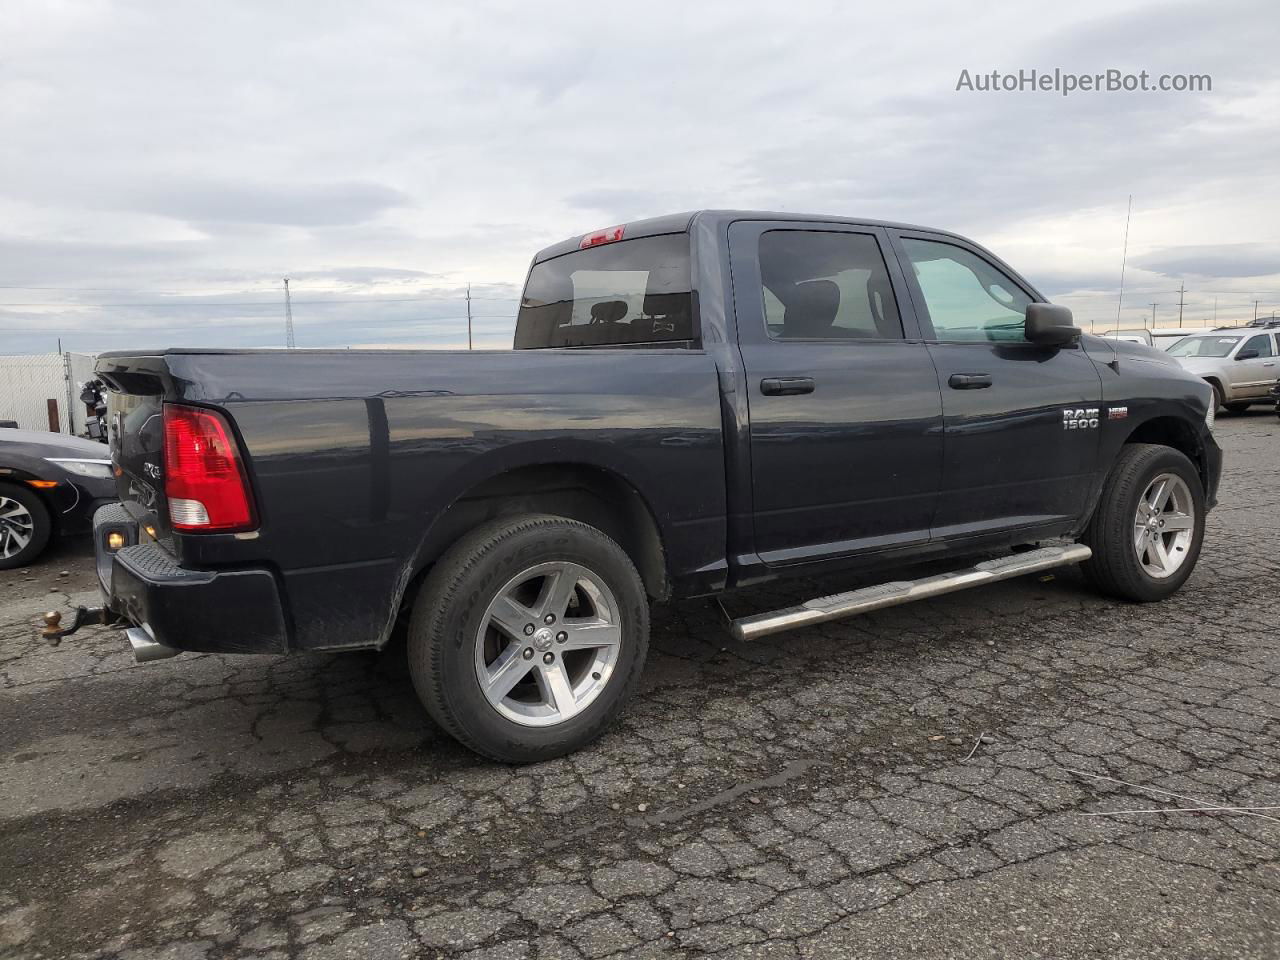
<point x="548" y="643"/>
<point x="17" y="526"/>
<point x="1164" y="526"/>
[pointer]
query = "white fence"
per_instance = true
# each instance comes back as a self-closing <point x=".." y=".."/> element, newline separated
<point x="40" y="391"/>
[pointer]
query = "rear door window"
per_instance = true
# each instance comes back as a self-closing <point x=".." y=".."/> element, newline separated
<point x="628" y="292"/>
<point x="825" y="285"/>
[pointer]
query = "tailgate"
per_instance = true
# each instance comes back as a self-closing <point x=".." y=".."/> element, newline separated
<point x="135" y="430"/>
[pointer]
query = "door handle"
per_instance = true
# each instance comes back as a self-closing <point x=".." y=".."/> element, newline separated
<point x="969" y="381"/>
<point x="786" y="386"/>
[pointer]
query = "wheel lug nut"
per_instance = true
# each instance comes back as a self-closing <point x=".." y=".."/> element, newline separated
<point x="549" y="619"/>
<point x="528" y="653"/>
<point x="528" y="629"/>
<point x="561" y="637"/>
<point x="548" y="657"/>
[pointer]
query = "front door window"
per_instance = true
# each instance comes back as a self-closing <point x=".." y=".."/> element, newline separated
<point x="967" y="298"/>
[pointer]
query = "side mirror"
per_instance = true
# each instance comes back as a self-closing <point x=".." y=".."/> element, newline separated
<point x="1050" y="325"/>
<point x="1247" y="355"/>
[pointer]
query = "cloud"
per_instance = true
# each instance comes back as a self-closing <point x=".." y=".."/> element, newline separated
<point x="409" y="147"/>
<point x="365" y="276"/>
<point x="271" y="204"/>
<point x="1214" y="260"/>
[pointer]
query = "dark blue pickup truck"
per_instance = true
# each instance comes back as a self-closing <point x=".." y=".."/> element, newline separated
<point x="695" y="403"/>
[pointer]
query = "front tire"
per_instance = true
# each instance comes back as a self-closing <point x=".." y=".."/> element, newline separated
<point x="1148" y="528"/>
<point x="25" y="526"/>
<point x="1237" y="407"/>
<point x="1219" y="398"/>
<point x="528" y="637"/>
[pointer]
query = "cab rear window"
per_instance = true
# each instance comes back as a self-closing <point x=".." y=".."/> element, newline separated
<point x="615" y="294"/>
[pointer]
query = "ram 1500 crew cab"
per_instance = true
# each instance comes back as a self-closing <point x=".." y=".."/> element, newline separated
<point x="694" y="403"/>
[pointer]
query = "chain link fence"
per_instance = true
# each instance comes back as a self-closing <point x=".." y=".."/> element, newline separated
<point x="42" y="391"/>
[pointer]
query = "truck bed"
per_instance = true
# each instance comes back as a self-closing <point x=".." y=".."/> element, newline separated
<point x="356" y="458"/>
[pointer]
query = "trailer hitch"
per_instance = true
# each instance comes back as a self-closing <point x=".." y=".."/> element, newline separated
<point x="84" y="617"/>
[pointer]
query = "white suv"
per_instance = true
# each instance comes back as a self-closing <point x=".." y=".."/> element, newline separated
<point x="1242" y="365"/>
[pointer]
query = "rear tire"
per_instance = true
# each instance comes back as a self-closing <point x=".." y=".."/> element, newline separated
<point x="528" y="637"/>
<point x="25" y="526"/>
<point x="1236" y="407"/>
<point x="1127" y="561"/>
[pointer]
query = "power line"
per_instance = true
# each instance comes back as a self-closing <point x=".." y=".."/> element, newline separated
<point x="156" y="293"/>
<point x="257" y="303"/>
<point x="389" y="324"/>
<point x="179" y="293"/>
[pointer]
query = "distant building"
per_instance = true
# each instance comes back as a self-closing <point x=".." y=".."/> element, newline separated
<point x="42" y="391"/>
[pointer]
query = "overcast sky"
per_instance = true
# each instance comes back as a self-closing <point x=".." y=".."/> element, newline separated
<point x="164" y="164"/>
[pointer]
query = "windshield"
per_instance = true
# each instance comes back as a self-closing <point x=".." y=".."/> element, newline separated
<point x="1203" y="347"/>
<point x="633" y="291"/>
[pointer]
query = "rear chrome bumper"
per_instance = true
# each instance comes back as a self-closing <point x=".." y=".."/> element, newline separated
<point x="173" y="608"/>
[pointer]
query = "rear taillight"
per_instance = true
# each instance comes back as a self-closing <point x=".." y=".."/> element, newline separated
<point x="204" y="479"/>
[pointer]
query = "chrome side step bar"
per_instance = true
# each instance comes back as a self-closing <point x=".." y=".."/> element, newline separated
<point x="850" y="604"/>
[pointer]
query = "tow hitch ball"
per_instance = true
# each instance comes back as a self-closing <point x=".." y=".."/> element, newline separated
<point x="84" y="617"/>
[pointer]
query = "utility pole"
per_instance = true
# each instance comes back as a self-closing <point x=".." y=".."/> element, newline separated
<point x="468" y="316"/>
<point x="1153" y="314"/>
<point x="1255" y="310"/>
<point x="1215" y="311"/>
<point x="1182" y="288"/>
<point x="288" y="317"/>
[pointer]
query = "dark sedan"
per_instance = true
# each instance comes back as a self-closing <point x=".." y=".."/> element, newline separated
<point x="49" y="484"/>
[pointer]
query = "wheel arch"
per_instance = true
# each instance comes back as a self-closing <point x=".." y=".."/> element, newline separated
<point x="17" y="479"/>
<point x="19" y="476"/>
<point x="1175" y="432"/>
<point x="578" y="490"/>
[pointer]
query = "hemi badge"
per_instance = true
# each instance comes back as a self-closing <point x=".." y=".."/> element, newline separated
<point x="1117" y="413"/>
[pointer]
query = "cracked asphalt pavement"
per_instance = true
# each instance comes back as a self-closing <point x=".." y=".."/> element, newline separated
<point x="827" y="793"/>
